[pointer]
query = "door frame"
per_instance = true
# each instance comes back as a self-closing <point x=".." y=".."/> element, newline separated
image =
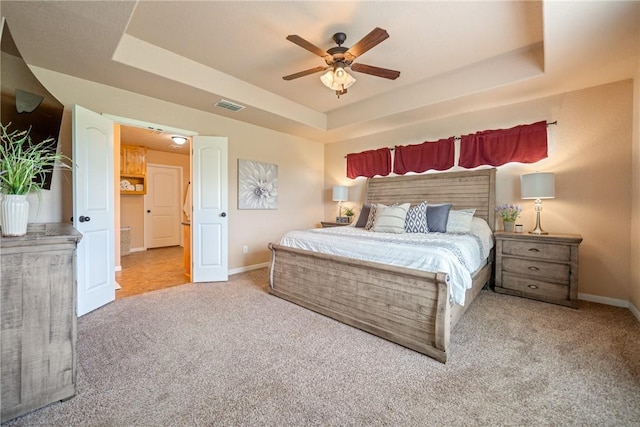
<point x="145" y="223"/>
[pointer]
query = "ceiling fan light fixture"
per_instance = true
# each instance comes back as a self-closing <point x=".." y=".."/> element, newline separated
<point x="180" y="140"/>
<point x="337" y="84"/>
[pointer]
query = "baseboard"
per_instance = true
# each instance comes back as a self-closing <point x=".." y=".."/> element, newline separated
<point x="604" y="300"/>
<point x="248" y="268"/>
<point x="118" y="268"/>
<point x="635" y="311"/>
<point x="137" y="249"/>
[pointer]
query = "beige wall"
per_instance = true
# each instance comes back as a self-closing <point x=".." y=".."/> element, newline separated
<point x="635" y="200"/>
<point x="300" y="162"/>
<point x="589" y="151"/>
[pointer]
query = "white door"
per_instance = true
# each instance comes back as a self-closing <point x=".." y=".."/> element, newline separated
<point x="93" y="211"/>
<point x="209" y="220"/>
<point x="162" y="206"/>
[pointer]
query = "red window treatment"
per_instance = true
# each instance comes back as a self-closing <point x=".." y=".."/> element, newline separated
<point x="369" y="163"/>
<point x="418" y="158"/>
<point x="524" y="144"/>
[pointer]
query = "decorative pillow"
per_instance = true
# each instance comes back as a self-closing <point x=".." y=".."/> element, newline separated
<point x="437" y="217"/>
<point x="364" y="216"/>
<point x="460" y="221"/>
<point x="371" y="219"/>
<point x="390" y="219"/>
<point x="416" y="221"/>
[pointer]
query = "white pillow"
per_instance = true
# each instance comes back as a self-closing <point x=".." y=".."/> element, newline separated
<point x="390" y="219"/>
<point x="460" y="220"/>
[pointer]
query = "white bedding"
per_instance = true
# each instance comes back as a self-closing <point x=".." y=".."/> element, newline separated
<point x="457" y="254"/>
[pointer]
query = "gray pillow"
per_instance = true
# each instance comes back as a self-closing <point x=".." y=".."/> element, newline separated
<point x="364" y="215"/>
<point x="437" y="217"/>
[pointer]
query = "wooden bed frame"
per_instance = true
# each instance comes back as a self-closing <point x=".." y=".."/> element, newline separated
<point x="409" y="307"/>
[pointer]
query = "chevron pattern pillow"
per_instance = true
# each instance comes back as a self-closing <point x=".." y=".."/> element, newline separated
<point x="416" y="220"/>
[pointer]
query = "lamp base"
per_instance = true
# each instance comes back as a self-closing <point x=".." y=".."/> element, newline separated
<point x="538" y="229"/>
<point x="538" y="232"/>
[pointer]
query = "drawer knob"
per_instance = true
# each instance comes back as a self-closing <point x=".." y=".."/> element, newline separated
<point x="532" y="268"/>
<point x="532" y="286"/>
<point x="534" y="250"/>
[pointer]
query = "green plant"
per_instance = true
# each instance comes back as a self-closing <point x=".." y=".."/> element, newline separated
<point x="349" y="211"/>
<point x="508" y="212"/>
<point x="24" y="164"/>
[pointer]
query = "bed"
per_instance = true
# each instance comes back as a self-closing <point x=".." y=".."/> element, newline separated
<point x="410" y="307"/>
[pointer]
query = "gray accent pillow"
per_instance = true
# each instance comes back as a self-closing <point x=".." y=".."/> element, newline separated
<point x="437" y="217"/>
<point x="364" y="216"/>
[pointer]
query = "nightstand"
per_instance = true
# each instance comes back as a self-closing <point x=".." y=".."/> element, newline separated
<point x="327" y="224"/>
<point x="541" y="267"/>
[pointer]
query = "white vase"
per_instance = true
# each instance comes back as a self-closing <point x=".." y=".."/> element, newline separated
<point x="14" y="212"/>
<point x="508" y="225"/>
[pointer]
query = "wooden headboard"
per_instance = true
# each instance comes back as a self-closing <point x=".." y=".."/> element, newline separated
<point x="465" y="190"/>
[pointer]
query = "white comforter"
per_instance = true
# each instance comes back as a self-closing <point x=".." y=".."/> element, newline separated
<point x="457" y="254"/>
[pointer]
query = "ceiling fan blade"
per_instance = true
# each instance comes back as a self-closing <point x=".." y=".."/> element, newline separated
<point x="376" y="71"/>
<point x="306" y="45"/>
<point x="375" y="37"/>
<point x="304" y="73"/>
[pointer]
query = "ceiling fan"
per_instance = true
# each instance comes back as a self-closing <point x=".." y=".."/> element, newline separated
<point x="338" y="58"/>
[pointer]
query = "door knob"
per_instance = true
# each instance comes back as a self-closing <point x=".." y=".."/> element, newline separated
<point x="84" y="219"/>
<point x="223" y="214"/>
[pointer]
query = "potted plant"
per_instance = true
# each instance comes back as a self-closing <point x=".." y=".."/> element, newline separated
<point x="508" y="213"/>
<point x="23" y="166"/>
<point x="349" y="213"/>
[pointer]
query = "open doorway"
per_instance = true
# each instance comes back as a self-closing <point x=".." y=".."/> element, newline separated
<point x="152" y="213"/>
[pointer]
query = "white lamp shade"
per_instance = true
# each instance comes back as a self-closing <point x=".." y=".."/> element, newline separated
<point x="340" y="193"/>
<point x="537" y="186"/>
<point x="329" y="80"/>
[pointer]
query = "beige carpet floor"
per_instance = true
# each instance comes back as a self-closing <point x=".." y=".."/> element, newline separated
<point x="231" y="354"/>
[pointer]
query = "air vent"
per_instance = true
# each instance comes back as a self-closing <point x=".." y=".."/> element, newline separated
<point x="177" y="147"/>
<point x="223" y="103"/>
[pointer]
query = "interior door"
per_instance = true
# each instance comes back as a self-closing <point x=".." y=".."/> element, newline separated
<point x="93" y="210"/>
<point x="209" y="220"/>
<point x="162" y="206"/>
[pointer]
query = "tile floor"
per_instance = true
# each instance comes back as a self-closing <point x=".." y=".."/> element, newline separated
<point x="151" y="270"/>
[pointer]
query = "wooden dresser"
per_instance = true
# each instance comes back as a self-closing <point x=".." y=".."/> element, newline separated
<point x="541" y="267"/>
<point x="38" y="318"/>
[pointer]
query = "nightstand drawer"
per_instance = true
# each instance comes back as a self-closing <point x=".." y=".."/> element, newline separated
<point x="537" y="269"/>
<point x="535" y="288"/>
<point x="537" y="250"/>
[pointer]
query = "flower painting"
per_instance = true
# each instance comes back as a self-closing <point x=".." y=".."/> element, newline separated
<point x="257" y="185"/>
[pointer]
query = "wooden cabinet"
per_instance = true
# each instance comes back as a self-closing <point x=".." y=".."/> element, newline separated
<point x="541" y="267"/>
<point x="38" y="318"/>
<point x="133" y="169"/>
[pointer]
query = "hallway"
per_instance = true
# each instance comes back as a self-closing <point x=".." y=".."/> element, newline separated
<point x="151" y="270"/>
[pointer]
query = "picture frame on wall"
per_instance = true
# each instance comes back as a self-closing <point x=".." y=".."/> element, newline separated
<point x="257" y="185"/>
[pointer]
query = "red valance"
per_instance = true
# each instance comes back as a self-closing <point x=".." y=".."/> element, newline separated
<point x="418" y="158"/>
<point x="524" y="144"/>
<point x="369" y="163"/>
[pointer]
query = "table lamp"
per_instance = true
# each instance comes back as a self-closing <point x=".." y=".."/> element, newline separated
<point x="537" y="186"/>
<point x="340" y="194"/>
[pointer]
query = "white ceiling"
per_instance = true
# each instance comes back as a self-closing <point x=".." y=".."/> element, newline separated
<point x="451" y="55"/>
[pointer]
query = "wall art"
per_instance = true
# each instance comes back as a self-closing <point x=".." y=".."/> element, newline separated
<point x="257" y="185"/>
